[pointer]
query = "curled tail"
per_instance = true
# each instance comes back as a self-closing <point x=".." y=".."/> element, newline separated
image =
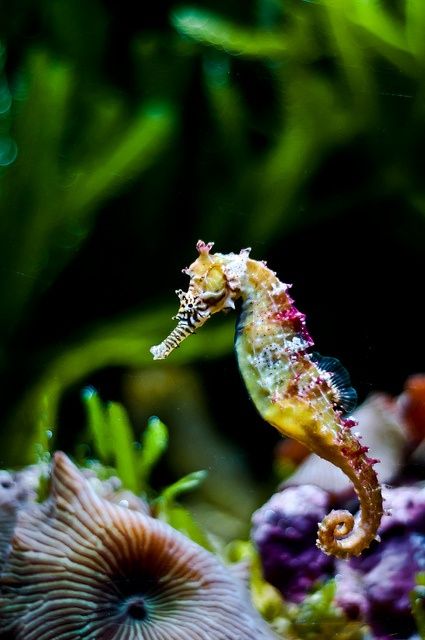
<point x="340" y="534"/>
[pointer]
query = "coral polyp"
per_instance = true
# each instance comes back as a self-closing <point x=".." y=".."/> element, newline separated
<point x="79" y="566"/>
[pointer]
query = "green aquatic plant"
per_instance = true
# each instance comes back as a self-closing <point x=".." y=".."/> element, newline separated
<point x="417" y="599"/>
<point x="296" y="42"/>
<point x="115" y="447"/>
<point x="124" y="341"/>
<point x="40" y="182"/>
<point x="168" y="509"/>
<point x="319" y="617"/>
<point x="183" y="398"/>
<point x="114" y="443"/>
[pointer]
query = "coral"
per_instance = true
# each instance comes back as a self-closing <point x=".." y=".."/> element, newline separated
<point x="17" y="489"/>
<point x="377" y="586"/>
<point x="11" y="497"/>
<point x="80" y="566"/>
<point x="284" y="532"/>
<point x="378" y="589"/>
<point x="412" y="406"/>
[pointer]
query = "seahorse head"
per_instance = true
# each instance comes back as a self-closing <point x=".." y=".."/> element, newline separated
<point x="215" y="282"/>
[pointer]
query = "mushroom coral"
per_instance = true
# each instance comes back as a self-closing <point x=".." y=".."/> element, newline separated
<point x="13" y="495"/>
<point x="284" y="532"/>
<point x="82" y="567"/>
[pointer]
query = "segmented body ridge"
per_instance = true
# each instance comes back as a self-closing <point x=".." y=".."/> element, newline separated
<point x="272" y="332"/>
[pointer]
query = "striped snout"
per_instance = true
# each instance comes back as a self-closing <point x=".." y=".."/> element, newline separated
<point x="192" y="314"/>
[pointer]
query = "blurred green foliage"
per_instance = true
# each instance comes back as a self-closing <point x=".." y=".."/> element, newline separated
<point x="318" y="617"/>
<point x="114" y="446"/>
<point x="417" y="599"/>
<point x="231" y="121"/>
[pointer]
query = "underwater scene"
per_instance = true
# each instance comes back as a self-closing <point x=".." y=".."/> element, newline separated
<point x="170" y="475"/>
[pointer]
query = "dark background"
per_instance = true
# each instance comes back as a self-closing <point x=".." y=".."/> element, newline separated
<point x="295" y="128"/>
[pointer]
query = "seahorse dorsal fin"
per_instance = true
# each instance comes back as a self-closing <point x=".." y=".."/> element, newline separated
<point x="346" y="396"/>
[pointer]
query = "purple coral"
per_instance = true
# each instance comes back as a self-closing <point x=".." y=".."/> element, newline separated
<point x="377" y="585"/>
<point x="374" y="587"/>
<point x="284" y="532"/>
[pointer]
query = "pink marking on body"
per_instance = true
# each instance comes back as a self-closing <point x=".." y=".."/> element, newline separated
<point x="291" y="314"/>
<point x="372" y="461"/>
<point x="348" y="423"/>
<point x="356" y="455"/>
<point x="360" y="451"/>
<point x="295" y="319"/>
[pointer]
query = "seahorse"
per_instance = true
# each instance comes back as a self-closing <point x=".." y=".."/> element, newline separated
<point x="303" y="395"/>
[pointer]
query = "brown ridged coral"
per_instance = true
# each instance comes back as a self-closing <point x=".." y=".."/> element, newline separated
<point x="14" y="493"/>
<point x="80" y="567"/>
